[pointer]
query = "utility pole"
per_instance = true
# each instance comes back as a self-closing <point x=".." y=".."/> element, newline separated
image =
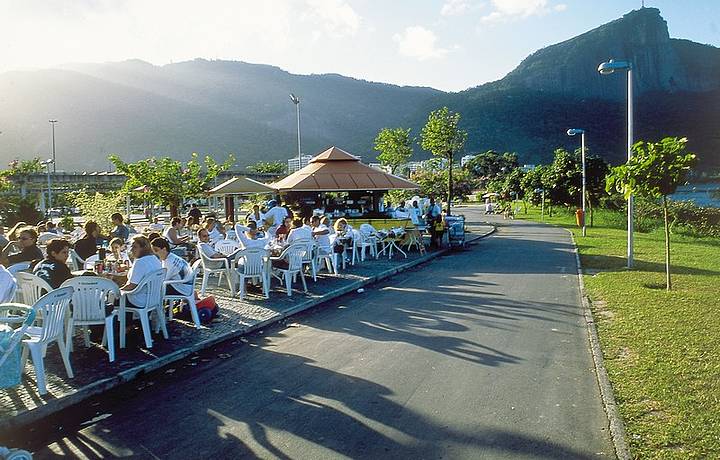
<point x="52" y="123"/>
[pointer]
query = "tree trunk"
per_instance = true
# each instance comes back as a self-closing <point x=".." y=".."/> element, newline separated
<point x="174" y="208"/>
<point x="450" y="183"/>
<point x="592" y="212"/>
<point x="668" y="283"/>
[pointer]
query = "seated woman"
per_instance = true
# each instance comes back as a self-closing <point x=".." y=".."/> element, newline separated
<point x="176" y="268"/>
<point x="27" y="243"/>
<point x="172" y="233"/>
<point x="145" y="263"/>
<point x="53" y="268"/>
<point x="87" y="245"/>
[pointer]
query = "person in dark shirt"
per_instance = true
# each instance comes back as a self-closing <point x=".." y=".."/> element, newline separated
<point x="87" y="245"/>
<point x="120" y="230"/>
<point x="195" y="212"/>
<point x="53" y="268"/>
<point x="27" y="240"/>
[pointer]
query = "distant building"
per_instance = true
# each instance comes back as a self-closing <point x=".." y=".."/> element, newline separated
<point x="380" y="167"/>
<point x="293" y="164"/>
<point x="464" y="160"/>
<point x="413" y="166"/>
<point x="526" y="168"/>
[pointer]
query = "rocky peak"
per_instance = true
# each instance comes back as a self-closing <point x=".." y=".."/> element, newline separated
<point x="641" y="36"/>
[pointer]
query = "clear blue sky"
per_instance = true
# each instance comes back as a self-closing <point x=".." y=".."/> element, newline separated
<point x="446" y="44"/>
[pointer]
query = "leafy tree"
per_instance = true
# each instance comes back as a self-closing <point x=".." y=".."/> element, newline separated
<point x="98" y="207"/>
<point x="531" y="183"/>
<point x="434" y="182"/>
<point x="491" y="165"/>
<point x="268" y="167"/>
<point x="19" y="174"/>
<point x="395" y="147"/>
<point x="170" y="181"/>
<point x="509" y="186"/>
<point x="655" y="170"/>
<point x="442" y="137"/>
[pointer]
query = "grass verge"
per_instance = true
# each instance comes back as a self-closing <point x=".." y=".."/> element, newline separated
<point x="661" y="349"/>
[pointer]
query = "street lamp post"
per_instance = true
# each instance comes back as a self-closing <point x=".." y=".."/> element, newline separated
<point x="47" y="163"/>
<point x="573" y="132"/>
<point x="296" y="100"/>
<point x="607" y="68"/>
<point x="52" y="123"/>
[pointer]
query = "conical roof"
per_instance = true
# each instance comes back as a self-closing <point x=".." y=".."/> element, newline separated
<point x="240" y="186"/>
<point x="336" y="170"/>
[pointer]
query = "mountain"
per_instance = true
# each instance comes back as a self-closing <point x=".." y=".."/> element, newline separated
<point x="136" y="109"/>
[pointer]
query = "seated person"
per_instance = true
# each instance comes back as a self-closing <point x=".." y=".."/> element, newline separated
<point x="145" y="262"/>
<point x="321" y="233"/>
<point x="87" y="245"/>
<point x="282" y="231"/>
<point x="214" y="232"/>
<point x="342" y="228"/>
<point x="255" y="216"/>
<point x="299" y="231"/>
<point x="172" y="233"/>
<point x="117" y="250"/>
<point x="248" y="236"/>
<point x="156" y="225"/>
<point x="53" y="268"/>
<point x="120" y="230"/>
<point x="52" y="228"/>
<point x="208" y="250"/>
<point x="176" y="268"/>
<point x="27" y="242"/>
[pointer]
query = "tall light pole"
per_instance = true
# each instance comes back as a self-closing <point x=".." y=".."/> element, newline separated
<point x="607" y="68"/>
<point x="47" y="163"/>
<point x="52" y="123"/>
<point x="296" y="100"/>
<point x="573" y="132"/>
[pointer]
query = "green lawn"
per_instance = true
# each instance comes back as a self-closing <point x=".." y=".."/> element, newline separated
<point x="662" y="350"/>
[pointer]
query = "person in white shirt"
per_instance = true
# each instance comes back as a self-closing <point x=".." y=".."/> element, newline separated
<point x="172" y="233"/>
<point x="321" y="233"/>
<point x="176" y="268"/>
<point x="156" y="226"/>
<point x="209" y="251"/>
<point x="248" y="236"/>
<point x="145" y="262"/>
<point x="255" y="216"/>
<point x="415" y="214"/>
<point x="213" y="231"/>
<point x="299" y="231"/>
<point x="274" y="215"/>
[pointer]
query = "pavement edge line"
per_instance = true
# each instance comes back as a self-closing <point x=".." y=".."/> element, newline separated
<point x="56" y="405"/>
<point x="617" y="428"/>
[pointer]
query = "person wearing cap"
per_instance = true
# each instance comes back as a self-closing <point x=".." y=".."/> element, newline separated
<point x="274" y="216"/>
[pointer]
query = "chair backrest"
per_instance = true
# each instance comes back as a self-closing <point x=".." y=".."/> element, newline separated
<point x="294" y="255"/>
<point x="227" y="247"/>
<point x="30" y="288"/>
<point x="8" y="285"/>
<point x="90" y="297"/>
<point x="52" y="307"/>
<point x="253" y="261"/>
<point x="43" y="238"/>
<point x="8" y="343"/>
<point x="76" y="262"/>
<point x="19" y="267"/>
<point x="207" y="262"/>
<point x="153" y="288"/>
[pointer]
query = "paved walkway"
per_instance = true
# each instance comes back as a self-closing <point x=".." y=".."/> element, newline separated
<point x="94" y="374"/>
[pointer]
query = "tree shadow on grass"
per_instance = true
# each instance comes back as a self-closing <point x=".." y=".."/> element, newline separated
<point x="605" y="263"/>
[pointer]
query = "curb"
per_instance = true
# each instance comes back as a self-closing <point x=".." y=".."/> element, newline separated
<point x="55" y="405"/>
<point x="617" y="428"/>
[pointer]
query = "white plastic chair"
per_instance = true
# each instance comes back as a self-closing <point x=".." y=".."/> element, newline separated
<point x="326" y="256"/>
<point x="253" y="264"/>
<point x="227" y="247"/>
<point x="76" y="262"/>
<point x="14" y="313"/>
<point x="30" y="288"/>
<point x="219" y="267"/>
<point x="309" y="258"/>
<point x="52" y="307"/>
<point x="19" y="267"/>
<point x="361" y="242"/>
<point x="190" y="299"/>
<point x="153" y="286"/>
<point x="293" y="255"/>
<point x="90" y="297"/>
<point x="44" y="238"/>
<point x="90" y="262"/>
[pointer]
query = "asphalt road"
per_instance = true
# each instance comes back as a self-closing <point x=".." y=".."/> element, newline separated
<point x="479" y="354"/>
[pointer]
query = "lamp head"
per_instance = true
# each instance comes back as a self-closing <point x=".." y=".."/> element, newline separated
<point x="294" y="98"/>
<point x="606" y="68"/>
<point x="574" y="131"/>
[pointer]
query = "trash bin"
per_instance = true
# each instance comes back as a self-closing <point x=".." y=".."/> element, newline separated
<point x="579" y="217"/>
